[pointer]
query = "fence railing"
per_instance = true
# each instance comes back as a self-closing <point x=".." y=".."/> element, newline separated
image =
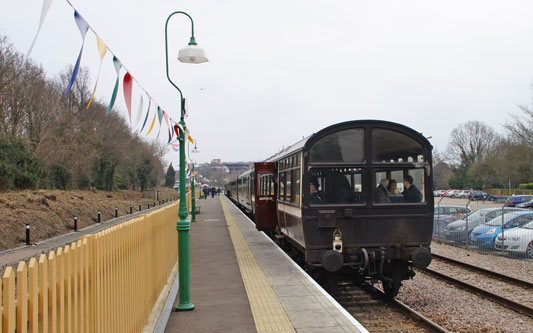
<point x="105" y="282"/>
<point x="488" y="226"/>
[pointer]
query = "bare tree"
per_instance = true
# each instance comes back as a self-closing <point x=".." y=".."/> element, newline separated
<point x="521" y="127"/>
<point x="471" y="142"/>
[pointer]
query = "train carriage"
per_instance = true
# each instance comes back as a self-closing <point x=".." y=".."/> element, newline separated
<point x="326" y="195"/>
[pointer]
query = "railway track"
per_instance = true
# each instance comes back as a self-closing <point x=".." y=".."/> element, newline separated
<point x="370" y="307"/>
<point x="508" y="291"/>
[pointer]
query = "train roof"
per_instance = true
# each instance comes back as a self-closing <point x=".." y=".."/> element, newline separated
<point x="300" y="145"/>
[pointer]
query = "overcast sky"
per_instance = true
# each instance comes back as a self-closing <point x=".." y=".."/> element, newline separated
<point x="281" y="70"/>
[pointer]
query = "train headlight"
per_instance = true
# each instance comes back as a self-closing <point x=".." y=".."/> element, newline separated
<point x="337" y="241"/>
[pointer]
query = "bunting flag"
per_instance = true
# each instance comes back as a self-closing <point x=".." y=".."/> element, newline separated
<point x="152" y="126"/>
<point x="175" y="149"/>
<point x="83" y="26"/>
<point x="117" y="65"/>
<point x="139" y="113"/>
<point x="127" y="86"/>
<point x="102" y="50"/>
<point x="168" y="125"/>
<point x="147" y="113"/>
<point x="177" y="129"/>
<point x="44" y="11"/>
<point x="190" y="139"/>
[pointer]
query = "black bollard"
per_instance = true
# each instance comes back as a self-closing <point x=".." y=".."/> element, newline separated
<point x="28" y="234"/>
<point x="154" y="203"/>
<point x="148" y="204"/>
<point x="99" y="221"/>
<point x="116" y="212"/>
<point x="131" y="209"/>
<point x="75" y="223"/>
<point x="140" y="207"/>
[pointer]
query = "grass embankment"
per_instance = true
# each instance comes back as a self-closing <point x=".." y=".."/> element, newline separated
<point x="51" y="213"/>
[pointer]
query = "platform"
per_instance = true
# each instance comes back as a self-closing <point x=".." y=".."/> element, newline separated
<point x="242" y="282"/>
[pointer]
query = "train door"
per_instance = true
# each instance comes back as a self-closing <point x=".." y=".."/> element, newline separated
<point x="265" y="196"/>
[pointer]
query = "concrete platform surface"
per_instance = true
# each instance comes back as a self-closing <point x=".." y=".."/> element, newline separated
<point x="242" y="282"/>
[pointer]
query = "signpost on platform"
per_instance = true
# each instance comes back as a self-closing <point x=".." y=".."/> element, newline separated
<point x="194" y="55"/>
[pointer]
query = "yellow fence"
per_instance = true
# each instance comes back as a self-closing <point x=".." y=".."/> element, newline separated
<point x="105" y="282"/>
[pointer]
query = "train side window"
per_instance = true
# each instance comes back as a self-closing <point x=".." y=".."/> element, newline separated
<point x="296" y="184"/>
<point x="281" y="192"/>
<point x="288" y="186"/>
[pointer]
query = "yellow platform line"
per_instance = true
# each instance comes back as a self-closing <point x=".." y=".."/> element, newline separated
<point x="269" y="315"/>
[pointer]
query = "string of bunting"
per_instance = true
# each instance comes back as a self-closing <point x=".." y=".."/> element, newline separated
<point x="127" y="83"/>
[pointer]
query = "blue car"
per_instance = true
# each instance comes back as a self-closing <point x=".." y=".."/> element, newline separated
<point x="484" y="235"/>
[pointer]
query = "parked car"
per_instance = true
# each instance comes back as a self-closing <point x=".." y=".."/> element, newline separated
<point x="517" y="240"/>
<point x="444" y="214"/>
<point x="478" y="195"/>
<point x="497" y="198"/>
<point x="528" y="204"/>
<point x="456" y="229"/>
<point x="463" y="194"/>
<point x="450" y="193"/>
<point x="484" y="235"/>
<point x="518" y="199"/>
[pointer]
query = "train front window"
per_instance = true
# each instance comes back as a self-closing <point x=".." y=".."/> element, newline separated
<point x="395" y="147"/>
<point x="337" y="185"/>
<point x="340" y="147"/>
<point x="399" y="185"/>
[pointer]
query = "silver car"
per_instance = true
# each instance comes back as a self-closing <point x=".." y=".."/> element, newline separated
<point x="456" y="230"/>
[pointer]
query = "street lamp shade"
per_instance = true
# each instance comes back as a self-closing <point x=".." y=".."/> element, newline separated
<point x="192" y="54"/>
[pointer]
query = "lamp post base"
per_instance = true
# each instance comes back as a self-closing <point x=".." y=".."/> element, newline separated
<point x="184" y="307"/>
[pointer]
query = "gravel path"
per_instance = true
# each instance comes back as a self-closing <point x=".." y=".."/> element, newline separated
<point x="521" y="269"/>
<point x="461" y="311"/>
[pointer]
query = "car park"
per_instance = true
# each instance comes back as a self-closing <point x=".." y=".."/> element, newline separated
<point x="484" y="235"/>
<point x="456" y="229"/>
<point x="518" y="199"/>
<point x="450" y="193"/>
<point x="518" y="240"/>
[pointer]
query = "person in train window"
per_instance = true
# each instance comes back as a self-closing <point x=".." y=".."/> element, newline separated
<point x="380" y="196"/>
<point x="410" y="193"/>
<point x="316" y="198"/>
<point x="392" y="192"/>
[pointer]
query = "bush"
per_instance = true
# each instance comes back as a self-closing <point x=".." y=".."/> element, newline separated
<point x="528" y="186"/>
<point x="19" y="168"/>
<point x="59" y="176"/>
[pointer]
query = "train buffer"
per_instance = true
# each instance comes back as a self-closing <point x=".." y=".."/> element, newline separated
<point x="242" y="282"/>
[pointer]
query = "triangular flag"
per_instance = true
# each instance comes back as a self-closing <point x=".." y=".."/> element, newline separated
<point x="102" y="50"/>
<point x="147" y="113"/>
<point x="117" y="65"/>
<point x="83" y="26"/>
<point x="44" y="11"/>
<point x="127" y="86"/>
<point x="139" y="113"/>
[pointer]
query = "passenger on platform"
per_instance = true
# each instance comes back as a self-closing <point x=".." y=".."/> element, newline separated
<point x="410" y="192"/>
<point x="206" y="193"/>
<point x="381" y="192"/>
<point x="213" y="192"/>
<point x="218" y="191"/>
<point x="392" y="192"/>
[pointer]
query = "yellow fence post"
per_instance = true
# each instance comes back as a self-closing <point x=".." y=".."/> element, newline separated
<point x="33" y="294"/>
<point x="22" y="297"/>
<point x="43" y="293"/>
<point x="8" y="298"/>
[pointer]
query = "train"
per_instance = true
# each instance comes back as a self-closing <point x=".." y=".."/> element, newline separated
<point x="355" y="196"/>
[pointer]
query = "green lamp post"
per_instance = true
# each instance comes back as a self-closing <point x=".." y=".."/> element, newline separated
<point x="194" y="55"/>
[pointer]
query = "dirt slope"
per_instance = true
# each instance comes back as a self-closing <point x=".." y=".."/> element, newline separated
<point x="51" y="212"/>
